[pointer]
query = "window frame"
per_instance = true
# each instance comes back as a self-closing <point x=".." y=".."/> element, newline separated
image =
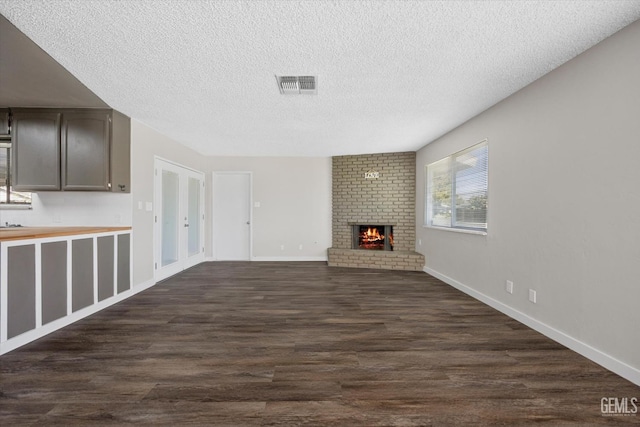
<point x="428" y="209"/>
<point x="6" y="204"/>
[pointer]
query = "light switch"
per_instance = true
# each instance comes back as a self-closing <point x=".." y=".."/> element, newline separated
<point x="256" y="204"/>
<point x="149" y="207"/>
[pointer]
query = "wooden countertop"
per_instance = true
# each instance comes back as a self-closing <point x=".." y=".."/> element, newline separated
<point x="20" y="233"/>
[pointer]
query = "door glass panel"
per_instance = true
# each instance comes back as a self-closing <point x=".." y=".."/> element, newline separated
<point x="170" y="182"/>
<point x="194" y="217"/>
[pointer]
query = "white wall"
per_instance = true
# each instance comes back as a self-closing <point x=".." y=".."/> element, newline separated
<point x="72" y="208"/>
<point x="295" y="205"/>
<point x="146" y="143"/>
<point x="564" y="204"/>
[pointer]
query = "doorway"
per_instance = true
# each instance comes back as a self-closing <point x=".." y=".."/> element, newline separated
<point x="178" y="218"/>
<point x="232" y="216"/>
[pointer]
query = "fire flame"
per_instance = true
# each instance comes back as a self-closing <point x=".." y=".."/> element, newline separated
<point x="372" y="235"/>
<point x="373" y="238"/>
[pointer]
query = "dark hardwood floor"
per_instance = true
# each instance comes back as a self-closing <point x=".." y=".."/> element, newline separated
<point x="302" y="344"/>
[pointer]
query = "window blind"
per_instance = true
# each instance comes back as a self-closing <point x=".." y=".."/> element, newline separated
<point x="457" y="189"/>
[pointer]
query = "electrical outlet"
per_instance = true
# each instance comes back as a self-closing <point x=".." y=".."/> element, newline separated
<point x="509" y="287"/>
<point x="419" y="242"/>
<point x="532" y="296"/>
<point x="282" y="247"/>
<point x="300" y="247"/>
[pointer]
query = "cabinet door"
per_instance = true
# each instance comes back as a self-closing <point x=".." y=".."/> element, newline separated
<point x="35" y="142"/>
<point x="85" y="151"/>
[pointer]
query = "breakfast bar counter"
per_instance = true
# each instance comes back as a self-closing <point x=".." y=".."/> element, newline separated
<point x="20" y="233"/>
<point x="51" y="277"/>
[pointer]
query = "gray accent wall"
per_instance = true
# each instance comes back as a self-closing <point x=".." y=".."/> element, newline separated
<point x="563" y="201"/>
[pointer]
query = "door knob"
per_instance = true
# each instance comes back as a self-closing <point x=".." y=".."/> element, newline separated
<point x="248" y="223"/>
<point x="186" y="225"/>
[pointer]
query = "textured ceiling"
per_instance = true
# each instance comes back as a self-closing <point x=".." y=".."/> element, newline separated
<point x="392" y="75"/>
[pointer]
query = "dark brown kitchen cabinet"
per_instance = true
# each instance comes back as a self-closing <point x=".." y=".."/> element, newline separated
<point x="35" y="150"/>
<point x="85" y="151"/>
<point x="71" y="150"/>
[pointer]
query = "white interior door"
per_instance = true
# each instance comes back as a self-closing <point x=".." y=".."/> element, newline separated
<point x="179" y="218"/>
<point x="232" y="216"/>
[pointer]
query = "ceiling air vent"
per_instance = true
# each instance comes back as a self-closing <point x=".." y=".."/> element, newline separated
<point x="297" y="85"/>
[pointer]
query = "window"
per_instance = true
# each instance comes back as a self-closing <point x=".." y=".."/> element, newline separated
<point x="457" y="188"/>
<point x="9" y="197"/>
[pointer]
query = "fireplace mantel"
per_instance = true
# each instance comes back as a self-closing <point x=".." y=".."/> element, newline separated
<point x="352" y="223"/>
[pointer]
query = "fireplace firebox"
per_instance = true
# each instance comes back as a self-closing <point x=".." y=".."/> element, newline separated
<point x="373" y="237"/>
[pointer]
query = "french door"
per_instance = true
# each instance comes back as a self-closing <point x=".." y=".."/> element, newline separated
<point x="178" y="218"/>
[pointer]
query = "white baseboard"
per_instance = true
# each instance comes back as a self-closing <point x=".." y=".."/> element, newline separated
<point x="611" y="363"/>
<point x="34" y="334"/>
<point x="289" y="258"/>
<point x="142" y="286"/>
<point x="279" y="258"/>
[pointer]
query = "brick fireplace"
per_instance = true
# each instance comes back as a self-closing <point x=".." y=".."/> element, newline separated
<point x="377" y="190"/>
